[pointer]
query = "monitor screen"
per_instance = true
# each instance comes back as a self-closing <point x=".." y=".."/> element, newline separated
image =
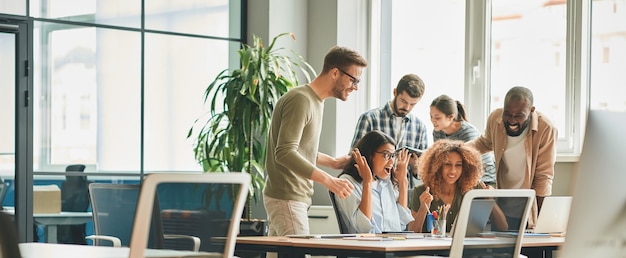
<point x="597" y="222"/>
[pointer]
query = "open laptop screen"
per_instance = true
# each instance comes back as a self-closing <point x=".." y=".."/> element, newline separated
<point x="485" y="219"/>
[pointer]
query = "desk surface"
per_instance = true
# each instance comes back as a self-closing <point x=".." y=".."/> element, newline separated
<point x="43" y="250"/>
<point x="319" y="246"/>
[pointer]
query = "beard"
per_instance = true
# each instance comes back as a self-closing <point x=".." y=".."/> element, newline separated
<point x="520" y="129"/>
<point x="338" y="92"/>
<point x="399" y="112"/>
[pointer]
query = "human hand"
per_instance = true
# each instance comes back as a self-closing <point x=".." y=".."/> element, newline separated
<point x="362" y="167"/>
<point x="341" y="187"/>
<point x="485" y="186"/>
<point x="342" y="161"/>
<point x="401" y="164"/>
<point x="426" y="198"/>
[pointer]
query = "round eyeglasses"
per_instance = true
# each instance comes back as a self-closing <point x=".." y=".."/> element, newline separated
<point x="387" y="155"/>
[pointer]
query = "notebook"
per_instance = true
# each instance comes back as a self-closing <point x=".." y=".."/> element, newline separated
<point x="554" y="215"/>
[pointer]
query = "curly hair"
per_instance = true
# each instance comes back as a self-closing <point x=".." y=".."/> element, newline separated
<point x="431" y="163"/>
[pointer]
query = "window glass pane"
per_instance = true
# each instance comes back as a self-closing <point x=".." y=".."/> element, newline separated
<point x="7" y="104"/>
<point x="89" y="98"/>
<point x="435" y="53"/>
<point x="192" y="16"/>
<point x="178" y="70"/>
<point x="608" y="54"/>
<point x="17" y="7"/>
<point x="109" y="12"/>
<point x="528" y="49"/>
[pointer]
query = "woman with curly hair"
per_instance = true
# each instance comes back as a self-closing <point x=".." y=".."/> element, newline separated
<point x="376" y="205"/>
<point x="448" y="169"/>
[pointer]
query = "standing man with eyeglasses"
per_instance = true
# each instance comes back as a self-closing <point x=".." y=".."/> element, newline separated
<point x="524" y="145"/>
<point x="396" y="120"/>
<point x="293" y="141"/>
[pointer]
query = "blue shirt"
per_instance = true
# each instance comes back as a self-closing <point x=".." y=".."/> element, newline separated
<point x="387" y="213"/>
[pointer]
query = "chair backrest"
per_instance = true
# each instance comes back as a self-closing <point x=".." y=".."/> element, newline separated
<point x="237" y="183"/>
<point x="74" y="197"/>
<point x="509" y="246"/>
<point x="114" y="207"/>
<point x="342" y="225"/>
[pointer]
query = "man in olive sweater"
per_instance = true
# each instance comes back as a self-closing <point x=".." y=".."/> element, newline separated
<point x="292" y="148"/>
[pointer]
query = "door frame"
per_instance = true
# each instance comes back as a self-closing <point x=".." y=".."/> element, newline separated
<point x="22" y="28"/>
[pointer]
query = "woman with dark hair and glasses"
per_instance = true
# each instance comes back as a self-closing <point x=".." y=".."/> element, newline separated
<point x="376" y="205"/>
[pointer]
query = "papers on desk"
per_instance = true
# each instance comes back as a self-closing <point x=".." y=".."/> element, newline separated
<point x="526" y="234"/>
<point x="371" y="238"/>
<point x="363" y="237"/>
<point x="309" y="236"/>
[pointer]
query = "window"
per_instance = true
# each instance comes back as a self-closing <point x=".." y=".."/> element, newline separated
<point x="434" y="53"/>
<point x="608" y="59"/>
<point x="479" y="50"/>
<point x="119" y="97"/>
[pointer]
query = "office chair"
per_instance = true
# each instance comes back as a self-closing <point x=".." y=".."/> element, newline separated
<point x="342" y="225"/>
<point x="74" y="197"/>
<point x="114" y="208"/>
<point x="237" y="183"/>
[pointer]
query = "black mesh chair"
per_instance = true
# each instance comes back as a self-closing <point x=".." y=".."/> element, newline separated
<point x="342" y="226"/>
<point x="74" y="197"/>
<point x="114" y="207"/>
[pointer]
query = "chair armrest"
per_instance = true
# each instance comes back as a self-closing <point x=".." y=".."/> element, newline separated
<point x="196" y="240"/>
<point x="116" y="241"/>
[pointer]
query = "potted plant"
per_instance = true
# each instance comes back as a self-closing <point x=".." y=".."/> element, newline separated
<point x="231" y="136"/>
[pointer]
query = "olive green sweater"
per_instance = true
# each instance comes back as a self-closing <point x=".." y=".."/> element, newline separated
<point x="293" y="145"/>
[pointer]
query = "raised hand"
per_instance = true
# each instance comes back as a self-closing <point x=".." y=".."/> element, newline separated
<point x="426" y="198"/>
<point x="401" y="165"/>
<point x="362" y="167"/>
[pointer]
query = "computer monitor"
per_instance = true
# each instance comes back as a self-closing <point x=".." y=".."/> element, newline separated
<point x="597" y="223"/>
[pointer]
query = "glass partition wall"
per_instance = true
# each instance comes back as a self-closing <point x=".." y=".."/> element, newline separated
<point x="116" y="85"/>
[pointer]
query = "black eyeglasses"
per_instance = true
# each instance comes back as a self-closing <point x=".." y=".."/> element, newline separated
<point x="387" y="155"/>
<point x="353" y="79"/>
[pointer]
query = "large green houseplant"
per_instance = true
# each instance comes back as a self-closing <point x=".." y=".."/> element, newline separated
<point x="232" y="135"/>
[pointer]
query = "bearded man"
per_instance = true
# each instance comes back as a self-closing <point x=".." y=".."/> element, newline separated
<point x="396" y="120"/>
<point x="524" y="144"/>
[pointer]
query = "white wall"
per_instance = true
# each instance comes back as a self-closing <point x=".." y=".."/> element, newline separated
<point x="319" y="25"/>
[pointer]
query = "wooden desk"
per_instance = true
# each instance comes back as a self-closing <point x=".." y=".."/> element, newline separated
<point x="46" y="250"/>
<point x="291" y="247"/>
<point x="50" y="221"/>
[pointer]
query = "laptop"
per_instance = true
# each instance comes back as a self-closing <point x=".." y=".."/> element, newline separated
<point x="554" y="215"/>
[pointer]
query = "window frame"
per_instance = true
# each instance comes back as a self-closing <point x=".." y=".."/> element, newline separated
<point x="477" y="69"/>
